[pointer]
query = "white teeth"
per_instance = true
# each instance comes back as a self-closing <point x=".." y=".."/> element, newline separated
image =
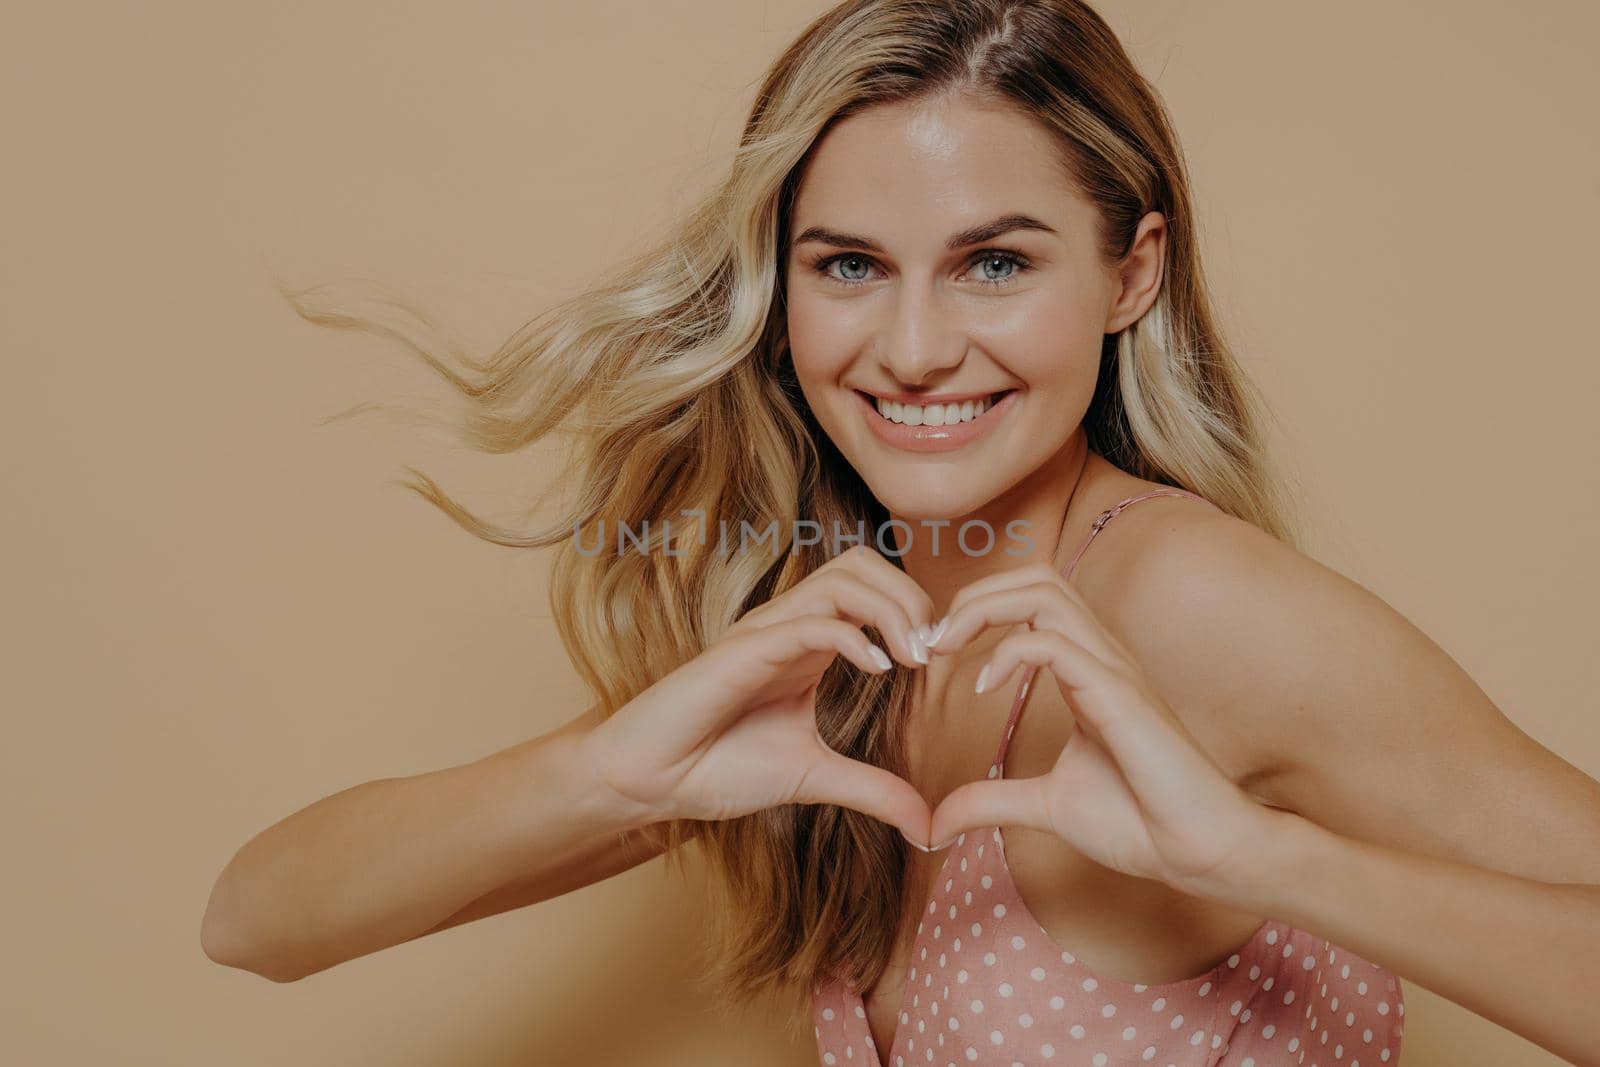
<point x="933" y="414"/>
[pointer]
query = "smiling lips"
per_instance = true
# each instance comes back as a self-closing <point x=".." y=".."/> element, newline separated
<point x="934" y="427"/>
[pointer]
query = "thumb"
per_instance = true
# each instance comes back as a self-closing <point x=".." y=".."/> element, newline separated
<point x="991" y="802"/>
<point x="871" y="790"/>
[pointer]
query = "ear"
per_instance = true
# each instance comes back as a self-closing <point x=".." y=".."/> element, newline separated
<point x="1139" y="273"/>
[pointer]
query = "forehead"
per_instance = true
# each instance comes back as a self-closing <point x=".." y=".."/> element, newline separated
<point x="898" y="167"/>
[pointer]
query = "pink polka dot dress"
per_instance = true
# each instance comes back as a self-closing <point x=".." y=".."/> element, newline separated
<point x="988" y="986"/>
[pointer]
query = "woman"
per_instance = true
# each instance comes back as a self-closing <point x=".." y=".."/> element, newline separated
<point x="952" y="287"/>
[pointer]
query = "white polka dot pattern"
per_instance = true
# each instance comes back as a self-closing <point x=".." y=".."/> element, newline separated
<point x="1012" y="996"/>
<point x="1002" y="993"/>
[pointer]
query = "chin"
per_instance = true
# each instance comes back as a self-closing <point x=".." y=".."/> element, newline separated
<point x="933" y="500"/>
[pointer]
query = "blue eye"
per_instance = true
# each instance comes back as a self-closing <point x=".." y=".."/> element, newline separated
<point x="850" y="258"/>
<point x="1008" y="258"/>
<point x="987" y="257"/>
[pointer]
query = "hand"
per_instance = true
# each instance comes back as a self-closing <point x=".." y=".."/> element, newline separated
<point x="734" y="730"/>
<point x="1132" y="789"/>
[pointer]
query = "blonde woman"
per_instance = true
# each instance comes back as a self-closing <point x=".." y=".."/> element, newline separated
<point x="949" y="302"/>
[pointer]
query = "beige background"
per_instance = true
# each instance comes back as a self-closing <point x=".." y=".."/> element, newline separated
<point x="217" y="613"/>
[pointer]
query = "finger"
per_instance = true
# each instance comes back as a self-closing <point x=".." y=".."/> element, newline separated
<point x="740" y="669"/>
<point x="756" y="657"/>
<point x="738" y="672"/>
<point x="861" y="594"/>
<point x="838" y="779"/>
<point x="842" y="594"/>
<point x="878" y="571"/>
<point x="850" y="596"/>
<point x="1005" y="579"/>
<point x="1045" y="604"/>
<point x="1149" y="745"/>
<point x="991" y="802"/>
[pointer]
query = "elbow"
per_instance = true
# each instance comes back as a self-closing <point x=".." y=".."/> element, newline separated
<point x="223" y="943"/>
<point x="217" y="939"/>
<point x="222" y="947"/>
<point x="220" y="942"/>
<point x="220" y="939"/>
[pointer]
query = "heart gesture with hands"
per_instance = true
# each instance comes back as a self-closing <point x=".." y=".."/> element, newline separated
<point x="1132" y="789"/>
<point x="733" y="731"/>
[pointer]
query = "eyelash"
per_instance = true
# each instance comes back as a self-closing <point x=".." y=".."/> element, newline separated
<point x="1016" y="259"/>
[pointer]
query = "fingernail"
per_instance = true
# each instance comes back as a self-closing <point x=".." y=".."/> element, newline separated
<point x="941" y="848"/>
<point x="919" y="647"/>
<point x="937" y="632"/>
<point x="913" y="844"/>
<point x="983" y="676"/>
<point x="880" y="657"/>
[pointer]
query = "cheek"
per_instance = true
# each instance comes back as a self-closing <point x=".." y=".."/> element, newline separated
<point x="820" y="340"/>
<point x="1051" y="344"/>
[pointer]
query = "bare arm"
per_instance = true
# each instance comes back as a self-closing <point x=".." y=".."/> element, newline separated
<point x="395" y="859"/>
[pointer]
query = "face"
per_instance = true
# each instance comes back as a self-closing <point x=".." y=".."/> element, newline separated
<point x="947" y="302"/>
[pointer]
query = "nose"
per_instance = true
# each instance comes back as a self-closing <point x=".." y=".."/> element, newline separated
<point x="920" y="340"/>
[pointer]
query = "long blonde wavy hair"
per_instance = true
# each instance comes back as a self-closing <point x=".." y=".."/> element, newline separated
<point x="670" y="386"/>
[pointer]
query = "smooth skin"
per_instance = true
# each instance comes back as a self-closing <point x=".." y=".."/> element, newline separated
<point x="734" y="730"/>
<point x="1236" y="723"/>
<point x="1379" y="772"/>
<point x="922" y="317"/>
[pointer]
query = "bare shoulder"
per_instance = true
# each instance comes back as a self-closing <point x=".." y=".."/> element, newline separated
<point x="1316" y="696"/>
<point x="1209" y="604"/>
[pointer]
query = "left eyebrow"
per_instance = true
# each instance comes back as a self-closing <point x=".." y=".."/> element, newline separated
<point x="988" y="231"/>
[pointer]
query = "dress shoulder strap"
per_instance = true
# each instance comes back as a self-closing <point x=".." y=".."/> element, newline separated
<point x="1117" y="509"/>
<point x="997" y="769"/>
